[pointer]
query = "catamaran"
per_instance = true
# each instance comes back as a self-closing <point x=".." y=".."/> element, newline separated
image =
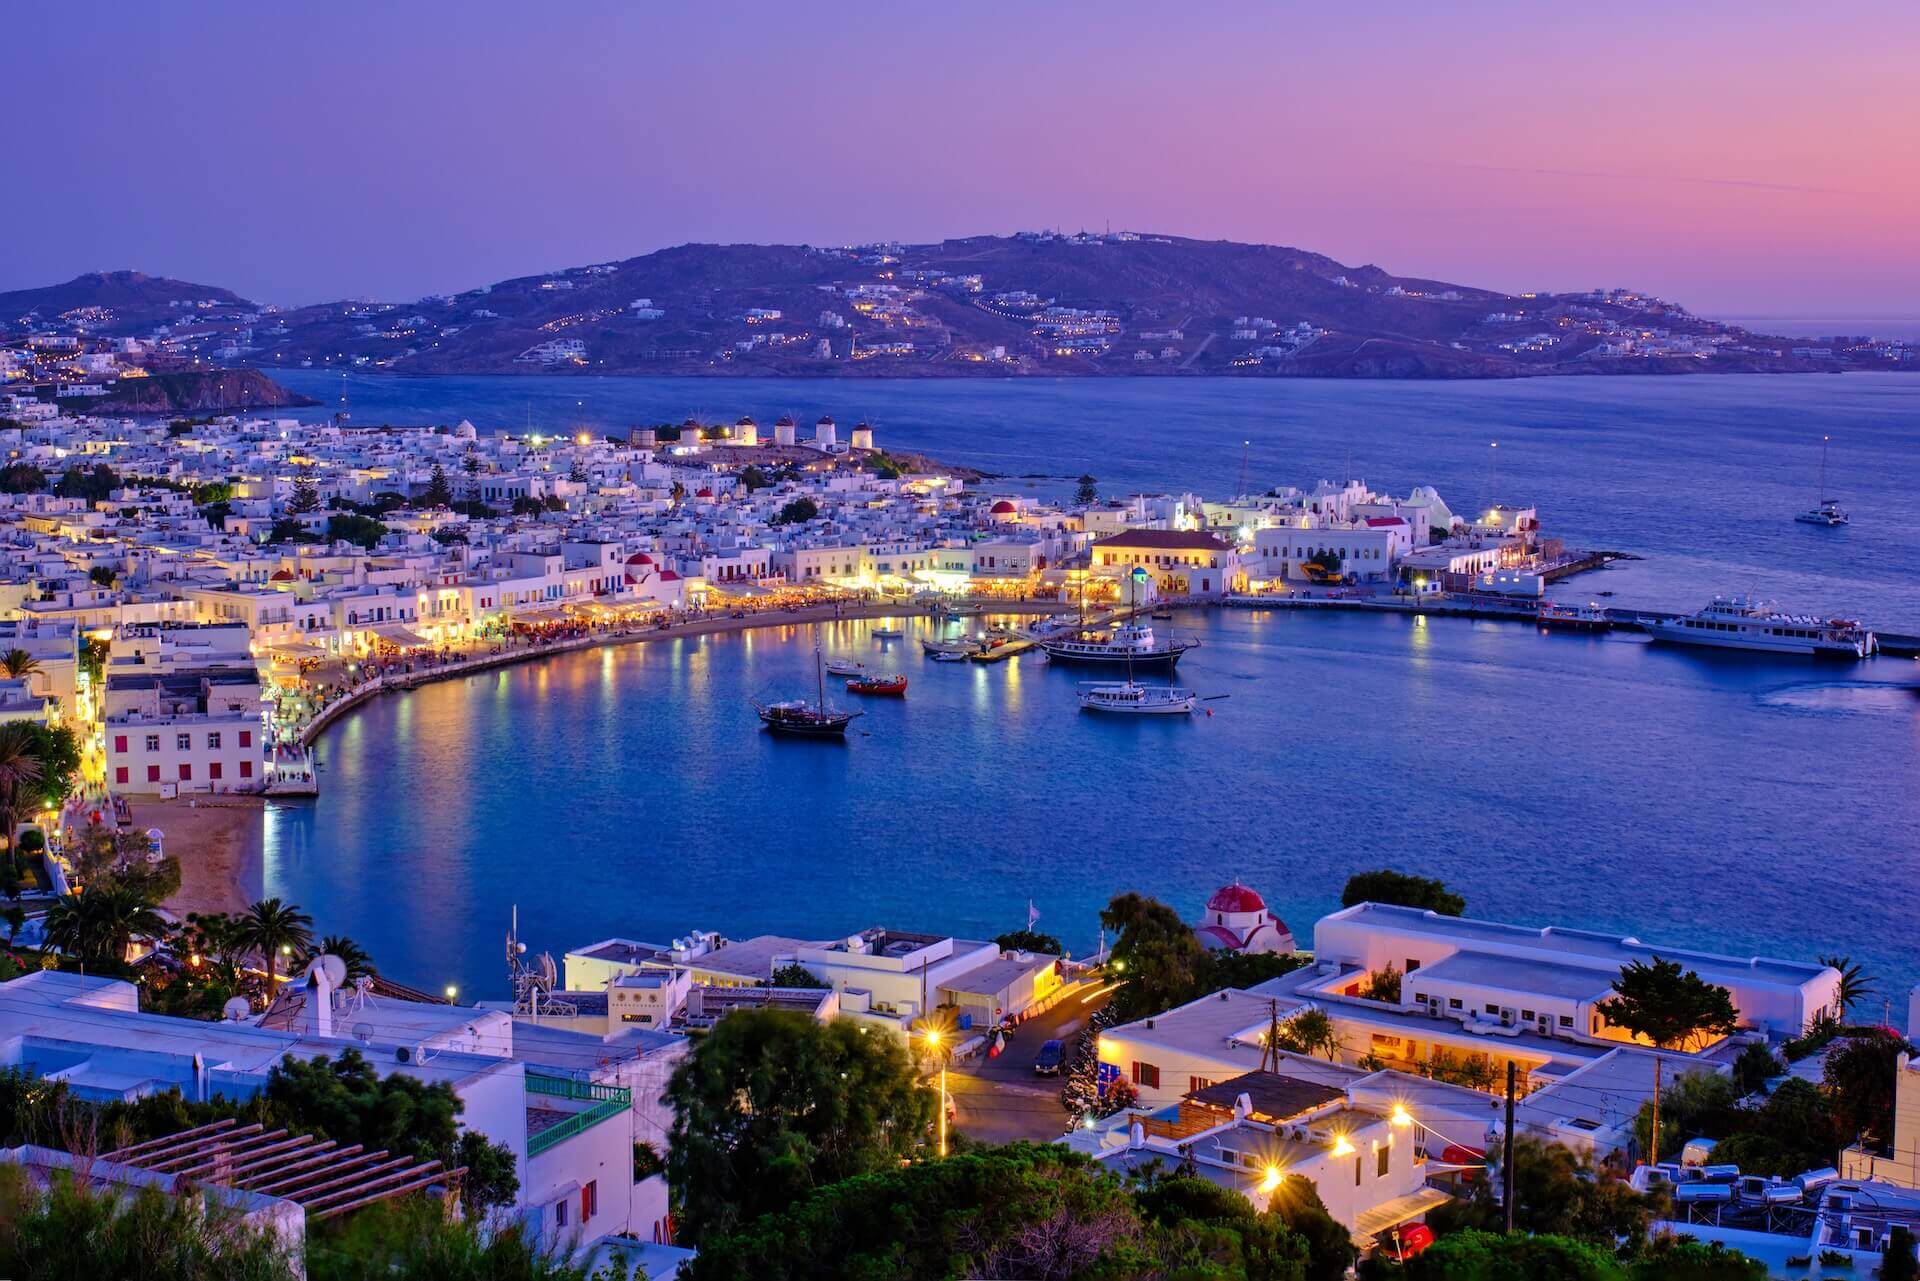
<point x="1825" y="511"/>
<point x="1740" y="622"/>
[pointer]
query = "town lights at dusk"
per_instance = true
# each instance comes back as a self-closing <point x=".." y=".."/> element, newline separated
<point x="617" y="687"/>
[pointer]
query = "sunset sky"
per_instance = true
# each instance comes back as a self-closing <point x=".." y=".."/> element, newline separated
<point x="1740" y="158"/>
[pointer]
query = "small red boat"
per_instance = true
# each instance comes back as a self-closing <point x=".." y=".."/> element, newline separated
<point x="885" y="686"/>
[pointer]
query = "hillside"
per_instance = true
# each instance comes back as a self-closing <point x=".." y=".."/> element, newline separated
<point x="993" y="306"/>
<point x="191" y="391"/>
<point x="115" y="302"/>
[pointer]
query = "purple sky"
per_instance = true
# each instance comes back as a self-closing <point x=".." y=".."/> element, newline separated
<point x="1740" y="157"/>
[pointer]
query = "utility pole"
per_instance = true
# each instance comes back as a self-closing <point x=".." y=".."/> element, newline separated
<point x="1506" y="1156"/>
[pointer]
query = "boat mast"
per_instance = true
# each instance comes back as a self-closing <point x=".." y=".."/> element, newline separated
<point x="1823" y="472"/>
<point x="819" y="672"/>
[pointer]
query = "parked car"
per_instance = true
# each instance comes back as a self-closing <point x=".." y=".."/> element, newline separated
<point x="1047" y="1062"/>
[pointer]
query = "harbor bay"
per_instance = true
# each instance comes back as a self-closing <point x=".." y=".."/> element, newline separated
<point x="1595" y="782"/>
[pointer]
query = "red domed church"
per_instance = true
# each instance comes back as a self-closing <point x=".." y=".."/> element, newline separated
<point x="1237" y="920"/>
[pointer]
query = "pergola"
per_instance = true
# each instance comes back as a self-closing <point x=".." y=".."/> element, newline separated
<point x="319" y="1175"/>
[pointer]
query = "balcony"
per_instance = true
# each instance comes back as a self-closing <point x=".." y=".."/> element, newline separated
<point x="548" y="1124"/>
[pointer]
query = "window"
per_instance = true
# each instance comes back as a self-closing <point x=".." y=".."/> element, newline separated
<point x="1195" y="1084"/>
<point x="183" y="741"/>
<point x="560" y="1213"/>
<point x="1384" y="1158"/>
<point x="213" y="769"/>
<point x="1526" y="1016"/>
<point x="213" y="740"/>
<point x="1454" y="1003"/>
<point x="120" y="774"/>
<point x="153" y="742"/>
<point x="246" y="738"/>
<point x="1419" y="998"/>
<point x="186" y="772"/>
<point x="153" y="773"/>
<point x="1357" y="1168"/>
<point x="1413" y="963"/>
<point x="119" y="742"/>
<point x="1147" y="1074"/>
<point x="246" y="769"/>
<point x="589" y="1200"/>
<point x="1566" y="1020"/>
<point x="1493" y="1009"/>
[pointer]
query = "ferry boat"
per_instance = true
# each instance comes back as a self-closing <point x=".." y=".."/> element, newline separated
<point x="1129" y="698"/>
<point x="1557" y="617"/>
<point x="1130" y="643"/>
<point x="883" y="686"/>
<point x="807" y="719"/>
<point x="1740" y="622"/>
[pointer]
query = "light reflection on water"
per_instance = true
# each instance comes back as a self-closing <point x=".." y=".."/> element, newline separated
<point x="630" y="791"/>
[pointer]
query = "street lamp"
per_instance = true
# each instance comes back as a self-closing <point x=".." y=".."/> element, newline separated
<point x="934" y="1038"/>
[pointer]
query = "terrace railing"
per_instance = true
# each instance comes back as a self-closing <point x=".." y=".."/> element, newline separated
<point x="605" y="1100"/>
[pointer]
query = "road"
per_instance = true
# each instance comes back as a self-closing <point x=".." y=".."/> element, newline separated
<point x="1000" y="1100"/>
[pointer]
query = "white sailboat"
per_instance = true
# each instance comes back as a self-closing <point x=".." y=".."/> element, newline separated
<point x="1825" y="511"/>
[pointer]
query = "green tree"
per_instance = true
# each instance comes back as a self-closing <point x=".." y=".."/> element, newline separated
<point x="1489" y="1256"/>
<point x="438" y="493"/>
<point x="1860" y="1075"/>
<point x="363" y="531"/>
<point x="70" y="1228"/>
<point x="1671" y="1258"/>
<point x="1756" y="1065"/>
<point x="412" y="1239"/>
<point x="1155" y="955"/>
<point x="752" y="478"/>
<point x="1311" y="1031"/>
<point x="771" y="1103"/>
<point x="57" y="748"/>
<point x="1087" y="491"/>
<point x="797" y="512"/>
<point x="1556" y="1192"/>
<point x="1384" y="985"/>
<point x="268" y="927"/>
<point x="20" y="772"/>
<point x="1669" y="1008"/>
<point x="1297" y="1204"/>
<point x="95" y="484"/>
<point x="797" y="975"/>
<point x="22" y="478"/>
<point x="1029" y="941"/>
<point x="97" y="925"/>
<point x="1855" y="985"/>
<point x="351" y="954"/>
<point x="1401" y="890"/>
<point x="103" y="576"/>
<point x="306" y="497"/>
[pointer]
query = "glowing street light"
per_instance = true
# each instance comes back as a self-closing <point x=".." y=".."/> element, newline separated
<point x="452" y="991"/>
<point x="1271" y="1180"/>
<point x="934" y="1038"/>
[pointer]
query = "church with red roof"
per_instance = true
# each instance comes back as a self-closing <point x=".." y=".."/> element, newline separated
<point x="1237" y="920"/>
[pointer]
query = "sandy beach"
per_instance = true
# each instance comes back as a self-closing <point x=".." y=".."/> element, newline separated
<point x="218" y="840"/>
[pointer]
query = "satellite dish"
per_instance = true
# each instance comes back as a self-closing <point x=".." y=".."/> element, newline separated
<point x="334" y="968"/>
<point x="235" y="1009"/>
<point x="363" y="1033"/>
<point x="549" y="975"/>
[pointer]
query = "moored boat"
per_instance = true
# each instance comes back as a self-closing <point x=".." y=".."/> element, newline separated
<point x="845" y="667"/>
<point x="1130" y="698"/>
<point x="1825" y="511"/>
<point x="894" y="686"/>
<point x="887" y="633"/>
<point x="816" y="719"/>
<point x="1557" y="617"/>
<point x="1130" y="643"/>
<point x="1740" y="622"/>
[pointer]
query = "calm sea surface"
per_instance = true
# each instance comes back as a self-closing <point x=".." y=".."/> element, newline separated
<point x="1750" y="804"/>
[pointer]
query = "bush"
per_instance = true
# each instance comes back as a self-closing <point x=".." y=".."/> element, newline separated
<point x="1488" y="1256"/>
<point x="1669" y="1258"/>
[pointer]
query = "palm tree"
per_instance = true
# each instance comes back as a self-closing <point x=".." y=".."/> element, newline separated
<point x="16" y="919"/>
<point x="100" y="923"/>
<point x="1669" y="1008"/>
<point x="19" y="663"/>
<point x="217" y="939"/>
<point x="270" y="925"/>
<point x="20" y="768"/>
<point x="356" y="958"/>
<point x="1855" y="983"/>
